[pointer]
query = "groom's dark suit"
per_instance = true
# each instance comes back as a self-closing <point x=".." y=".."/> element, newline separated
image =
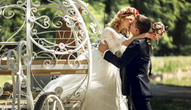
<point x="135" y="59"/>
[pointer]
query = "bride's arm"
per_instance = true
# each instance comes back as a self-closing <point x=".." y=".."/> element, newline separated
<point x="128" y="41"/>
<point x="150" y="35"/>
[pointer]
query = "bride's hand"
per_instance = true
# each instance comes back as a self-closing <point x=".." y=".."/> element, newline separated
<point x="151" y="35"/>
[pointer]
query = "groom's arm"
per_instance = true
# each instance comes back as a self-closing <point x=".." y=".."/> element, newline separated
<point x="129" y="54"/>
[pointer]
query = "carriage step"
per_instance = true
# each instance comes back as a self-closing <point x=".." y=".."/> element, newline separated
<point x="10" y="102"/>
<point x="24" y="102"/>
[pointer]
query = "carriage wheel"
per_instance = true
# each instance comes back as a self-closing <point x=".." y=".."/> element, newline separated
<point x="49" y="101"/>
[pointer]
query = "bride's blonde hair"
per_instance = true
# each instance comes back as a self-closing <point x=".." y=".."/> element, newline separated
<point x="125" y="13"/>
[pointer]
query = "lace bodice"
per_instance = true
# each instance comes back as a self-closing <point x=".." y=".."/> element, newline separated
<point x="113" y="39"/>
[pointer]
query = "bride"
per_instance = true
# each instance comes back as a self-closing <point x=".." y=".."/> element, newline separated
<point x="104" y="92"/>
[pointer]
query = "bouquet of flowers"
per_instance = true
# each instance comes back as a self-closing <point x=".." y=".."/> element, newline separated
<point x="159" y="28"/>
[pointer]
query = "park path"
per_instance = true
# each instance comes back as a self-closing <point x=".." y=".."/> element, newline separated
<point x="168" y="91"/>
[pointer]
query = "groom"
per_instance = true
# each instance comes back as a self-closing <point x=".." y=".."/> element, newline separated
<point x="135" y="59"/>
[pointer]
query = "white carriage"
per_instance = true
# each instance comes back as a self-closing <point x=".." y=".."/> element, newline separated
<point x="51" y="47"/>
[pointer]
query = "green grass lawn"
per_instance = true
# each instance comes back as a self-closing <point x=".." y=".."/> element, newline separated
<point x="170" y="64"/>
<point x="183" y="82"/>
<point x="165" y="65"/>
<point x="170" y="104"/>
<point x="174" y="81"/>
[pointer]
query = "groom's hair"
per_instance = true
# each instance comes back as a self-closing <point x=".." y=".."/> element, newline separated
<point x="143" y="23"/>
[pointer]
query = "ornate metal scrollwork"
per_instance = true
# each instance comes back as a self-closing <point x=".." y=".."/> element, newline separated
<point x="40" y="30"/>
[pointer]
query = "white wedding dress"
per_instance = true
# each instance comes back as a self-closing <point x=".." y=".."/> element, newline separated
<point x="104" y="92"/>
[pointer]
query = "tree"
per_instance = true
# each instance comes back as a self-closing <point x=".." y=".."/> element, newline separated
<point x="176" y="15"/>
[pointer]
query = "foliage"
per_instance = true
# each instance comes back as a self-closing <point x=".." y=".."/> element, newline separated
<point x="7" y="23"/>
<point x="5" y="79"/>
<point x="99" y="15"/>
<point x="175" y="14"/>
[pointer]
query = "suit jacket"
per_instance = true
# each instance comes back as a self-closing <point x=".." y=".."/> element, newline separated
<point x="135" y="59"/>
<point x="125" y="89"/>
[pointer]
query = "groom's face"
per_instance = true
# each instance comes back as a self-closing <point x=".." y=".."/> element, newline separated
<point x="133" y="29"/>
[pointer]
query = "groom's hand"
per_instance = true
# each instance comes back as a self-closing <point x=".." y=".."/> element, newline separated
<point x="103" y="47"/>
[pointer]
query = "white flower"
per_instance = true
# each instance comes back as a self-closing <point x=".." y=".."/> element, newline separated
<point x="158" y="26"/>
<point x="131" y="10"/>
<point x="160" y="23"/>
<point x="123" y="10"/>
<point x="159" y="32"/>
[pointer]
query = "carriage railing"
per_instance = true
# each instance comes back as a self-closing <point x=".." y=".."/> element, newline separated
<point x="13" y="64"/>
<point x="33" y="46"/>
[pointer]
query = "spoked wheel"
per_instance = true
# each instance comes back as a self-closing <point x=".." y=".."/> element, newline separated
<point x="49" y="101"/>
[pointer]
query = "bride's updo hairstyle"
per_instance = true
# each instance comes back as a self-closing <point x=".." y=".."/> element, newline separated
<point x="125" y="13"/>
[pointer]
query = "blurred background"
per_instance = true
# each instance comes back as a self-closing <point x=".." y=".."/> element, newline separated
<point x="171" y="59"/>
